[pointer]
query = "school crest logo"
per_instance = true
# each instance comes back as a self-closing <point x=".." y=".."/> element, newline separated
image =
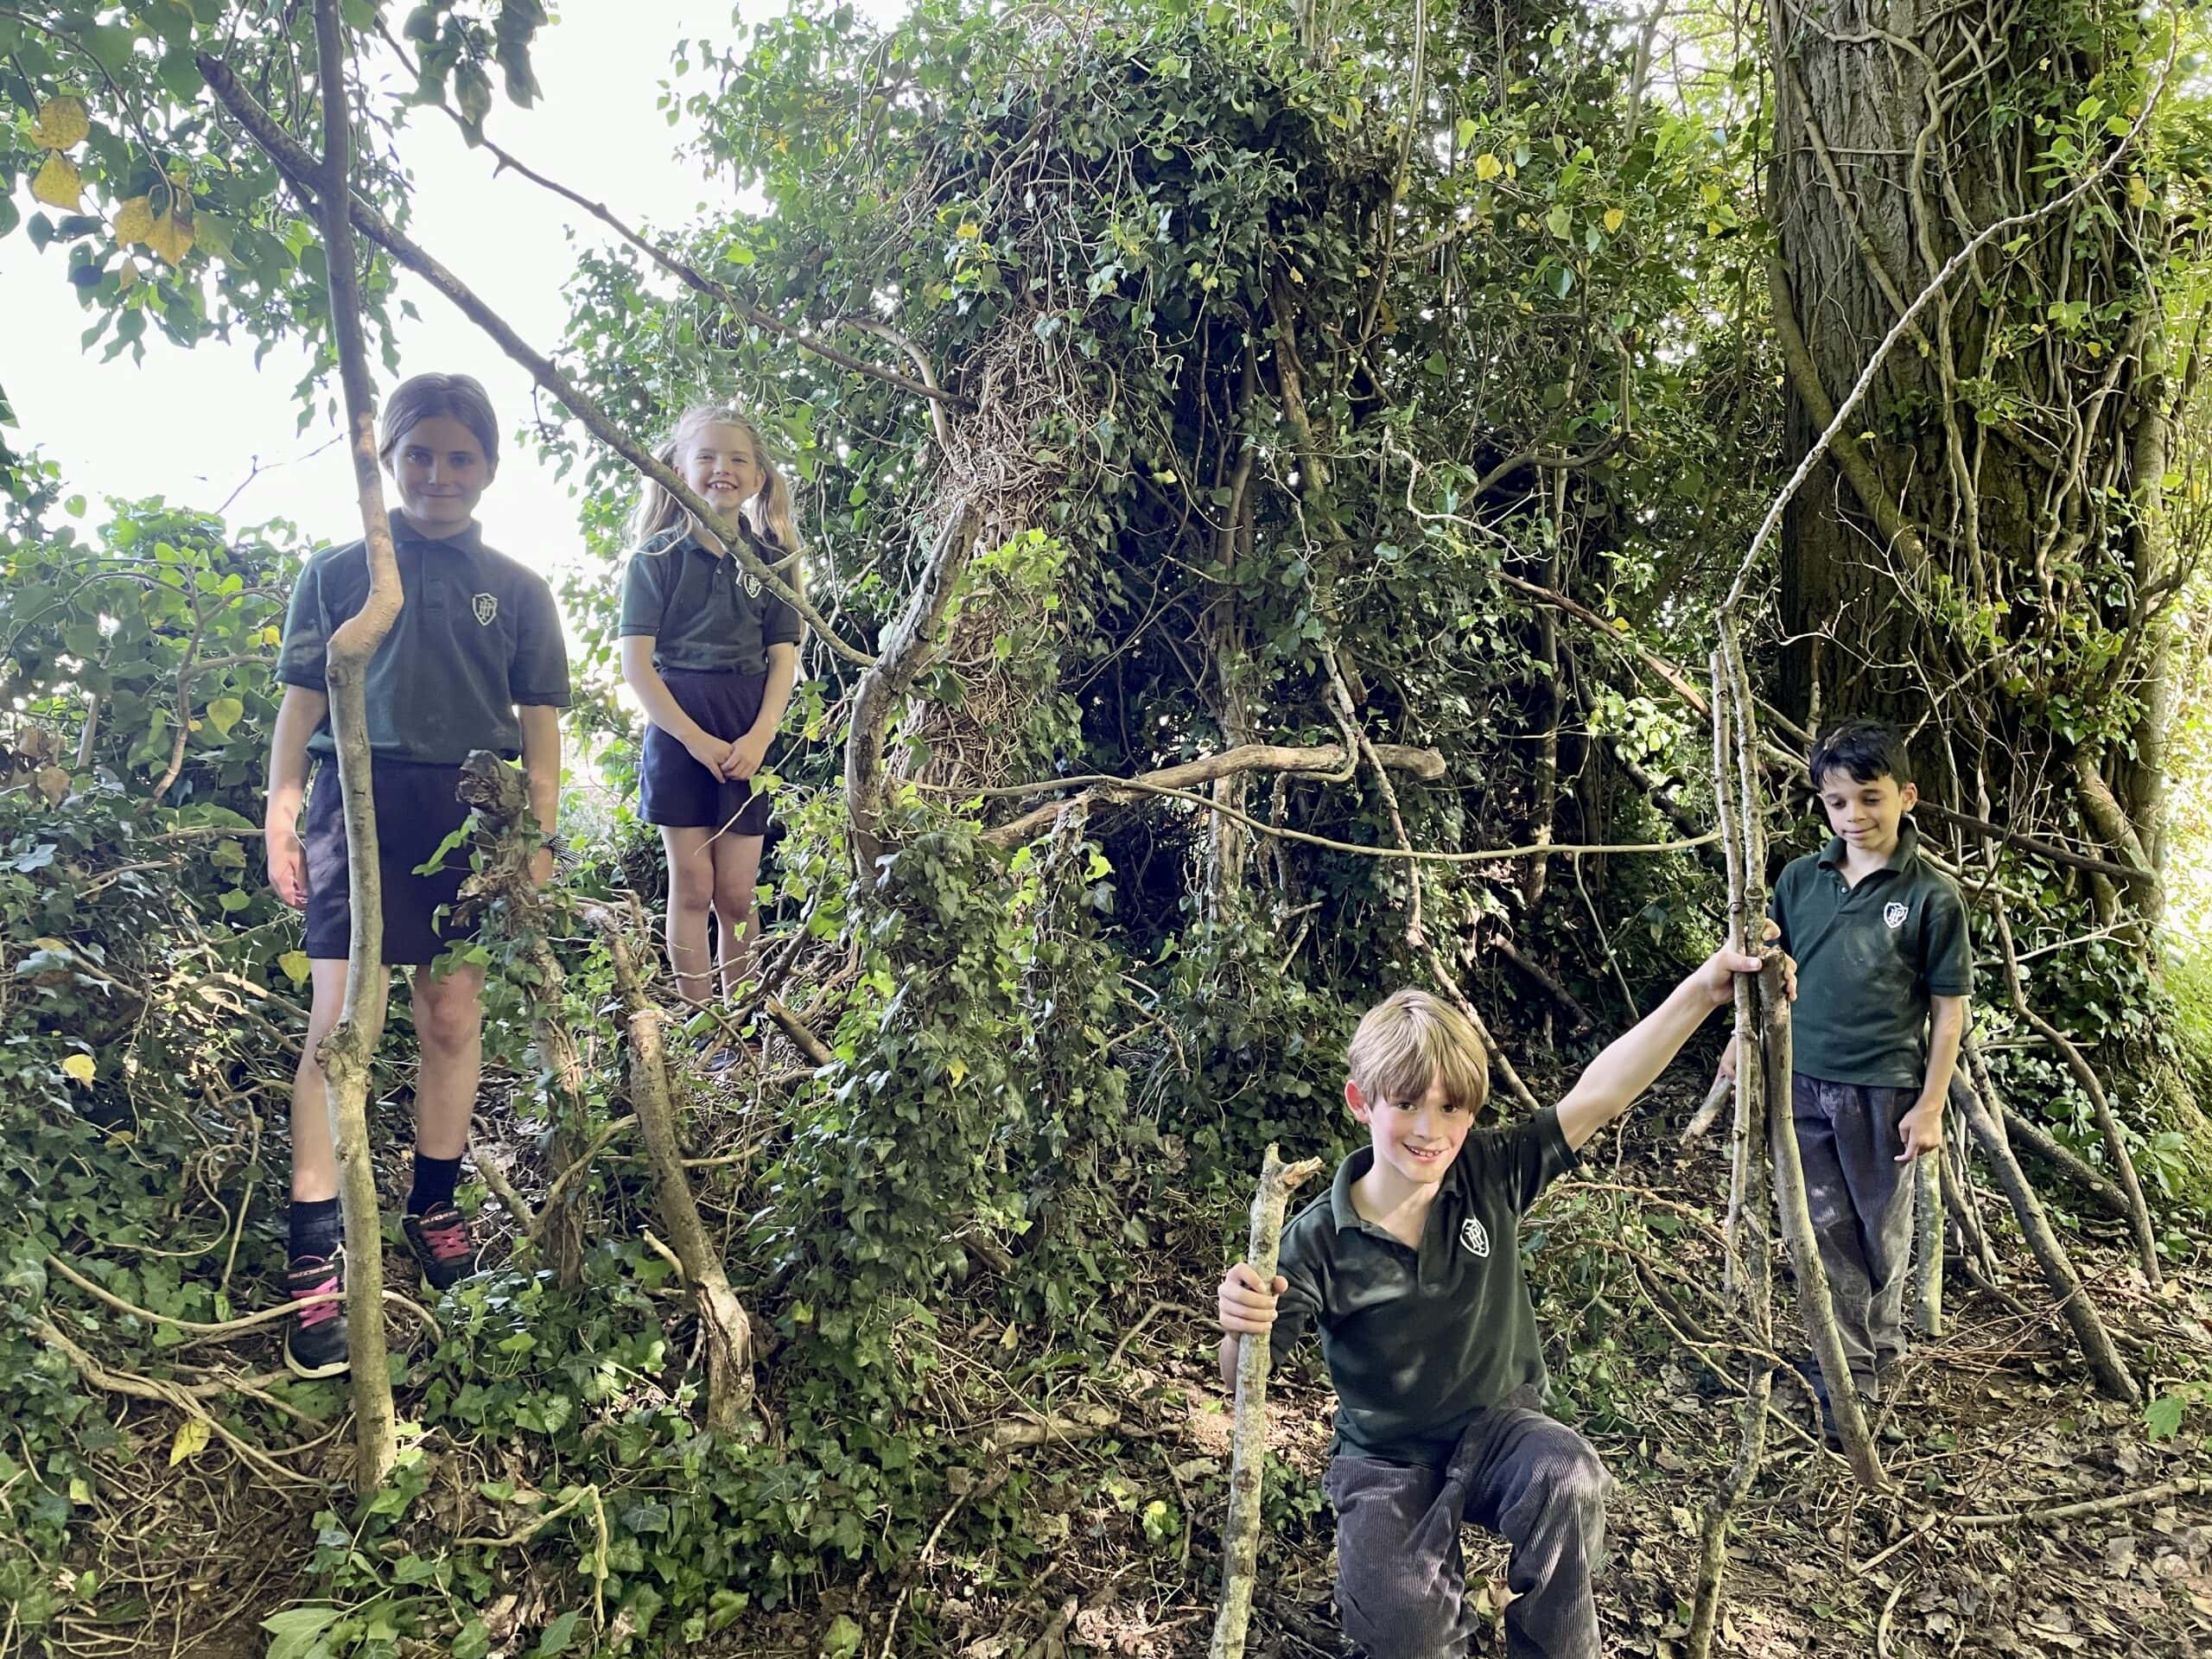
<point x="486" y="607"/>
<point x="1893" y="913"/>
<point x="752" y="586"/>
<point x="1472" y="1238"/>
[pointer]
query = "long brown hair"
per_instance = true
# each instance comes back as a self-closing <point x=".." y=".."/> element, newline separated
<point x="769" y="513"/>
<point x="424" y="396"/>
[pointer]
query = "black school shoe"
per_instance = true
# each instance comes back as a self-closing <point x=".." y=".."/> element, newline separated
<point x="442" y="1245"/>
<point x="314" y="1336"/>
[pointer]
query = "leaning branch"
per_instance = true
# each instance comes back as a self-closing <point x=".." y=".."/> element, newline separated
<point x="690" y="275"/>
<point x="725" y="1330"/>
<point x="907" y="646"/>
<point x="299" y="166"/>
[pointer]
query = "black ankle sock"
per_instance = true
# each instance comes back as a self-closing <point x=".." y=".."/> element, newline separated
<point x="316" y="1227"/>
<point x="433" y="1183"/>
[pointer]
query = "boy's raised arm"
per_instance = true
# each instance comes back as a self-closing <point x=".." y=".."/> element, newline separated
<point x="1626" y="1069"/>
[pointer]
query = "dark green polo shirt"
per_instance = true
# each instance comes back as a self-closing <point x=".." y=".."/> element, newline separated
<point x="1868" y="959"/>
<point x="1418" y="1342"/>
<point x="477" y="635"/>
<point x="704" y="610"/>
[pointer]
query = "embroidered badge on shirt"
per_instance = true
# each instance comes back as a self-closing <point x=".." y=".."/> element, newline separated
<point x="752" y="586"/>
<point x="1472" y="1238"/>
<point x="486" y="607"/>
<point x="1894" y="914"/>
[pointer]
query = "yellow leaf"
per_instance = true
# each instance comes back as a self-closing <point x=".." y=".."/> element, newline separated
<point x="171" y="236"/>
<point x="54" y="782"/>
<point x="272" y="635"/>
<point x="295" y="966"/>
<point x="2139" y="193"/>
<point x="59" y="184"/>
<point x="191" y="1441"/>
<point x="1615" y="217"/>
<point x="126" y="277"/>
<point x="80" y="1067"/>
<point x="224" y="713"/>
<point x="1488" y="167"/>
<point x="134" y="222"/>
<point x="61" y="124"/>
<point x="958" y="1067"/>
<point x="58" y="945"/>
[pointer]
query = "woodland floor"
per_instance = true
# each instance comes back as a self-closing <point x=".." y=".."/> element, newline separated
<point x="1995" y="1417"/>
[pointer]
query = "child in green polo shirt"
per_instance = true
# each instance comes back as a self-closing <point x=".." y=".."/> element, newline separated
<point x="712" y="655"/>
<point x="475" y="660"/>
<point x="1411" y="1266"/>
<point x="1880" y="941"/>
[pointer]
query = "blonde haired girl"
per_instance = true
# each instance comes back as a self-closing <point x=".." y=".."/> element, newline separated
<point x="711" y="654"/>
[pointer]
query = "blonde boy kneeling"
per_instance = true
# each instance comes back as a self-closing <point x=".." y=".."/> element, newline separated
<point x="1411" y="1266"/>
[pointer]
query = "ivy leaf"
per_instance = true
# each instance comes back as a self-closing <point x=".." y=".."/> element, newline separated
<point x="1615" y="218"/>
<point x="81" y="1067"/>
<point x="1488" y="167"/>
<point x="295" y="966"/>
<point x="843" y="1639"/>
<point x="558" y="1633"/>
<point x="1559" y="222"/>
<point x="1465" y="132"/>
<point x="2161" y="1417"/>
<point x="61" y="124"/>
<point x="59" y="184"/>
<point x="191" y="1441"/>
<point x="224" y="713"/>
<point x="298" y="1631"/>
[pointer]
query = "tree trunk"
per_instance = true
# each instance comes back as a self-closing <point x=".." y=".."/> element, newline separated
<point x="1982" y="557"/>
<point x="347" y="1050"/>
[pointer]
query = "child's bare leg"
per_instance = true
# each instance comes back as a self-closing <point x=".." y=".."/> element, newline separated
<point x="314" y="1162"/>
<point x="691" y="900"/>
<point x="449" y="1026"/>
<point x="737" y="868"/>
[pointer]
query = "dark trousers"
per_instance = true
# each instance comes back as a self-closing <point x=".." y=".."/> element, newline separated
<point x="1400" y="1577"/>
<point x="1861" y="1200"/>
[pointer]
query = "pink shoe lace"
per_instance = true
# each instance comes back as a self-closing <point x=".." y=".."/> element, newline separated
<point x="445" y="1234"/>
<point x="315" y="1314"/>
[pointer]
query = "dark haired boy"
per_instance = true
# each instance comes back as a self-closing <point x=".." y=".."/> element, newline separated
<point x="1883" y="972"/>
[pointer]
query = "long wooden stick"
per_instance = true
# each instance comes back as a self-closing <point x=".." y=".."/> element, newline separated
<point x="1814" y="1305"/>
<point x="1749" y="1238"/>
<point x="1928" y="1244"/>
<point x="722" y="1322"/>
<point x="1239" y="1536"/>
<point x="1972" y="1094"/>
<point x="2138" y="1212"/>
<point x="345" y="1053"/>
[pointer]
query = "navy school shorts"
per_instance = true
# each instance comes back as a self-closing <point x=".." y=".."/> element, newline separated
<point x="675" y="790"/>
<point x="417" y="807"/>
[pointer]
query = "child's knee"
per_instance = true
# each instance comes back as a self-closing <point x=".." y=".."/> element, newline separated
<point x="1402" y="1618"/>
<point x="690" y="894"/>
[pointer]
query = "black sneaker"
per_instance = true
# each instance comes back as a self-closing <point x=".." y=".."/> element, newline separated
<point x="314" y="1336"/>
<point x="442" y="1245"/>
